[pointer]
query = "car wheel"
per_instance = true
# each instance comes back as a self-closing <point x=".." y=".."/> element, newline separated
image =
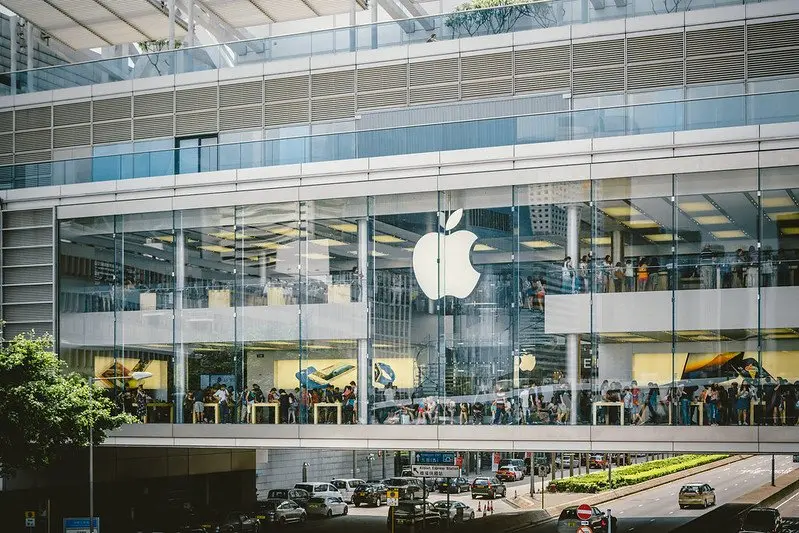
<point x="682" y="507"/>
<point x="346" y="510"/>
<point x="492" y="495"/>
<point x="471" y="516"/>
<point x="302" y="518"/>
<point x="474" y="497"/>
<point x="329" y="513"/>
<point x="282" y="520"/>
<point x="357" y="504"/>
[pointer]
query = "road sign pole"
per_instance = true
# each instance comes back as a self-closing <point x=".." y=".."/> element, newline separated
<point x="610" y="522"/>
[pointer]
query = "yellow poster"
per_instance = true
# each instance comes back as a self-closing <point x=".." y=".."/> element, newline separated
<point x="318" y="373"/>
<point x="659" y="367"/>
<point x="105" y="367"/>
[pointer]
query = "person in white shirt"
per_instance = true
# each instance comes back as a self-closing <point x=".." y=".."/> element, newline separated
<point x="524" y="400"/>
<point x="221" y="396"/>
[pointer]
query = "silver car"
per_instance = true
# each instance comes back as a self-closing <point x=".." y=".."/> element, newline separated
<point x="276" y="511"/>
<point x="457" y="511"/>
<point x="329" y="506"/>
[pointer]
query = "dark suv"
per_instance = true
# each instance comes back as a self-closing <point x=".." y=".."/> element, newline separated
<point x="762" y="520"/>
<point x="408" y="487"/>
<point x="369" y="494"/>
<point x="488" y="487"/>
<point x="453" y="485"/>
<point x="414" y="515"/>
<point x="298" y="496"/>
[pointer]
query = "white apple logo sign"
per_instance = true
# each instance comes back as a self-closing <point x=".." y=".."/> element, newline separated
<point x="454" y="275"/>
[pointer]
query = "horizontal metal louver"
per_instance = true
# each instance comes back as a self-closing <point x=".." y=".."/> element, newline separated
<point x="434" y="93"/>
<point x="29" y="141"/>
<point x="28" y="237"/>
<point x="12" y="330"/>
<point x="111" y="132"/>
<point x="7" y="143"/>
<point x="148" y="104"/>
<point x="385" y="77"/>
<point x="598" y="81"/>
<point x="547" y="82"/>
<point x="26" y="219"/>
<point x="28" y="256"/>
<point x="709" y="69"/>
<point x="396" y="98"/>
<point x="74" y="113"/>
<point x="196" y="98"/>
<point x="246" y="93"/>
<point x="7" y="121"/>
<point x="486" y="66"/>
<point x="33" y="118"/>
<point x="598" y="53"/>
<point x="153" y="127"/>
<point x="540" y="60"/>
<point x="436" y="71"/>
<point x="714" y="41"/>
<point x="772" y="34"/>
<point x="196" y="123"/>
<point x="111" y="109"/>
<point x="280" y="89"/>
<point x="490" y="87"/>
<point x="28" y="312"/>
<point x="655" y="47"/>
<point x="286" y="113"/>
<point x="241" y="117"/>
<point x="37" y="274"/>
<point x="72" y="136"/>
<point x="27" y="294"/>
<point x="650" y="75"/>
<point x="332" y="108"/>
<point x="35" y="157"/>
<point x="332" y="83"/>
<point x="5" y="175"/>
<point x="774" y="63"/>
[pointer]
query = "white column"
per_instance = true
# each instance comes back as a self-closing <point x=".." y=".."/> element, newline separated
<point x="573" y="340"/>
<point x="364" y="364"/>
<point x="171" y="6"/>
<point x="352" y="26"/>
<point x="373" y="8"/>
<point x="29" y="55"/>
<point x="12" y="26"/>
<point x="617" y="247"/>
<point x="190" y="33"/>
<point x="180" y="370"/>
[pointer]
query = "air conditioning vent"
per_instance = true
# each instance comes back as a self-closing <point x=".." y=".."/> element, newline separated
<point x="381" y="78"/>
<point x="599" y="53"/>
<point x="28" y="256"/>
<point x="396" y="98"/>
<point x="7" y="121"/>
<point x="238" y="94"/>
<point x="655" y="47"/>
<point x="75" y="113"/>
<point x="241" y="118"/>
<point x="547" y="82"/>
<point x="540" y="60"/>
<point x="153" y="127"/>
<point x="72" y="136"/>
<point x="434" y="93"/>
<point x="598" y="81"/>
<point x="33" y="118"/>
<point x="27" y="294"/>
<point x="7" y="143"/>
<point x="651" y="75"/>
<point x="332" y="83"/>
<point x="196" y="123"/>
<point x="715" y="41"/>
<point x="37" y="274"/>
<point x="111" y="109"/>
<point x="111" y="132"/>
<point x="774" y="63"/>
<point x="778" y="34"/>
<point x="709" y="69"/>
<point x="333" y="108"/>
<point x="26" y="219"/>
<point x="286" y="113"/>
<point x="28" y="237"/>
<point x="484" y="88"/>
<point x="145" y="105"/>
<point x="28" y="313"/>
<point x="194" y="99"/>
<point x="487" y="66"/>
<point x="433" y="72"/>
<point x="280" y="89"/>
<point x="42" y="178"/>
<point x="28" y="141"/>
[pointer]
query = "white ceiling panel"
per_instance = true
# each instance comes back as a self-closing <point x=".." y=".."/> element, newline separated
<point x="238" y="13"/>
<point x="287" y="9"/>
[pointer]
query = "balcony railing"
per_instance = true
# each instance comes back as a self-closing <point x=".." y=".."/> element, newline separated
<point x="506" y="19"/>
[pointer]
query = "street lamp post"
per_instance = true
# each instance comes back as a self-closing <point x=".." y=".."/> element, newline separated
<point x="137" y="376"/>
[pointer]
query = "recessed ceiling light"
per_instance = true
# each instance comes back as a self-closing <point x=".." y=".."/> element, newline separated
<point x="618" y="335"/>
<point x="620" y="211"/>
<point x="483" y="248"/>
<point x="316" y="256"/>
<point x="596" y="240"/>
<point x="709" y="338"/>
<point x="790" y="231"/>
<point x="712" y="219"/>
<point x="661" y="237"/>
<point x="539" y="244"/>
<point x="288" y="232"/>
<point x="638" y="339"/>
<point x="328" y="242"/>
<point x="230" y="235"/>
<point x="782" y="201"/>
<point x="695" y="207"/>
<point x="691" y="332"/>
<point x="347" y="228"/>
<point x="783" y="336"/>
<point x="270" y="245"/>
<point x="166" y="238"/>
<point x="641" y="223"/>
<point x="728" y="234"/>
<point x="215" y="248"/>
<point x="387" y="239"/>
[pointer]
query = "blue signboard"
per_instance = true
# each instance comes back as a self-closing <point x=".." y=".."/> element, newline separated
<point x="434" y="458"/>
<point x="80" y="525"/>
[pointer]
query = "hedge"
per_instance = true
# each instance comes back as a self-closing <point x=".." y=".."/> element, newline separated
<point x="631" y="474"/>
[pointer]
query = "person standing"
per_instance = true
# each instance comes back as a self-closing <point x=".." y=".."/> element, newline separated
<point x="629" y="276"/>
<point x="221" y="396"/>
<point x="643" y="274"/>
<point x="567" y="275"/>
<point x="283" y="406"/>
<point x="141" y="404"/>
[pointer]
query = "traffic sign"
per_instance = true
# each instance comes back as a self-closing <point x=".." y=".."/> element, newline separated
<point x="80" y="525"/>
<point x="436" y="470"/>
<point x="30" y="522"/>
<point x="30" y="514"/>
<point x="585" y="529"/>
<point x="392" y="498"/>
<point x="584" y="512"/>
<point x="434" y="458"/>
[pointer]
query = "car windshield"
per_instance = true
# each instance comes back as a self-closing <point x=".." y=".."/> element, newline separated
<point x="270" y="505"/>
<point x="410" y="507"/>
<point x="365" y="488"/>
<point x="340" y="484"/>
<point x="317" y="500"/>
<point x="443" y="505"/>
<point x="567" y="514"/>
<point x="690" y="489"/>
<point x="397" y="482"/>
<point x="280" y="493"/>
<point x="306" y="488"/>
<point x="759" y="521"/>
<point x="481" y="482"/>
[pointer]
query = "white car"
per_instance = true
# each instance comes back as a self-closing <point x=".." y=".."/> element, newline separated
<point x="316" y="489"/>
<point x="458" y="511"/>
<point x="328" y="507"/>
<point x="347" y="487"/>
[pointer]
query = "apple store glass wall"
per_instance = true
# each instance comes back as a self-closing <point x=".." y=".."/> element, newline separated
<point x="665" y="299"/>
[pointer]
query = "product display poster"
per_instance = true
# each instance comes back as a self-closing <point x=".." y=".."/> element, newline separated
<point x="318" y="373"/>
<point x="107" y="370"/>
<point x="717" y="367"/>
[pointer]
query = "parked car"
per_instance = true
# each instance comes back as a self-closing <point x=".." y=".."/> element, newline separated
<point x="370" y="494"/>
<point x="454" y="511"/>
<point x="700" y="494"/>
<point x="456" y="485"/>
<point x="277" y="511"/>
<point x="796" y="458"/>
<point x="408" y="487"/>
<point x="488" y="487"/>
<point x="319" y="489"/>
<point x="542" y="465"/>
<point x="509" y="473"/>
<point x="413" y="515"/>
<point x="298" y="496"/>
<point x="347" y="487"/>
<point x="327" y="506"/>
<point x="760" y="520"/>
<point x="597" y="461"/>
<point x="519" y="463"/>
<point x="238" y="522"/>
<point x="568" y="521"/>
<point x="564" y="459"/>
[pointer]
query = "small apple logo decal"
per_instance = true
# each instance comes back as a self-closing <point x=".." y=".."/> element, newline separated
<point x="527" y="362"/>
<point x="442" y="262"/>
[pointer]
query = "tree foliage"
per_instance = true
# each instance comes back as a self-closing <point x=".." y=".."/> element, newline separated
<point x="489" y="17"/>
<point x="44" y="412"/>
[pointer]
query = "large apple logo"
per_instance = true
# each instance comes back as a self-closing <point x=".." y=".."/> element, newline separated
<point x="442" y="264"/>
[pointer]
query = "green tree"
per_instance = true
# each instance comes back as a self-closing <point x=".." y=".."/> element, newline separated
<point x="489" y="17"/>
<point x="45" y="412"/>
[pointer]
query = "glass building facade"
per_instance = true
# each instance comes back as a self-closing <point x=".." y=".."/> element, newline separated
<point x="664" y="299"/>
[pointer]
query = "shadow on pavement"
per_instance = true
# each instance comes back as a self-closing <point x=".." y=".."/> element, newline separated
<point x="725" y="518"/>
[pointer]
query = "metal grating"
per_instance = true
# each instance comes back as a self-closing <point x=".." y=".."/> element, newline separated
<point x="385" y="77"/>
<point x="12" y="330"/>
<point x="27" y="256"/>
<point x="28" y="312"/>
<point x="333" y="108"/>
<point x="239" y="118"/>
<point x="434" y="93"/>
<point x="20" y="276"/>
<point x="111" y="132"/>
<point x="714" y="41"/>
<point x="540" y="60"/>
<point x="598" y="81"/>
<point x="28" y="237"/>
<point x="72" y="136"/>
<point x="153" y="127"/>
<point x="29" y="141"/>
<point x="33" y="118"/>
<point x="280" y="89"/>
<point x="196" y="123"/>
<point x="237" y="94"/>
<point x="7" y="143"/>
<point x="197" y="98"/>
<point x="395" y="98"/>
<point x="35" y="157"/>
<point x="548" y="82"/>
<point x="773" y="63"/>
<point x="598" y="53"/>
<point x="650" y="75"/>
<point x="7" y="121"/>
<point x="436" y="71"/>
<point x="27" y="294"/>
<point x="111" y="109"/>
<point x="148" y="104"/>
<point x="332" y="83"/>
<point x="286" y="113"/>
<point x="655" y="47"/>
<point x="5" y="173"/>
<point x="490" y="87"/>
<point x="495" y="65"/>
<point x="709" y="69"/>
<point x="772" y="34"/>
<point x="26" y="219"/>
<point x="74" y="113"/>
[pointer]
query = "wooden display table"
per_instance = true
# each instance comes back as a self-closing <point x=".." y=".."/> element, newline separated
<point x="147" y="301"/>
<point x="334" y="405"/>
<point x="275" y="406"/>
<point x="620" y="405"/>
<point x="339" y="293"/>
<point x="275" y="296"/>
<point x="215" y="407"/>
<point x="219" y="298"/>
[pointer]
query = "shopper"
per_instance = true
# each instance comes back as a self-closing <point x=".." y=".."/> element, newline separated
<point x="643" y="274"/>
<point x="567" y="275"/>
<point x="141" y="404"/>
<point x="221" y="396"/>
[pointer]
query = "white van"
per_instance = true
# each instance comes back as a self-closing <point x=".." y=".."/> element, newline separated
<point x="347" y="487"/>
<point x="318" y="489"/>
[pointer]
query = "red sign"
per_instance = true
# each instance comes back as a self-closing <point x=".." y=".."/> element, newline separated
<point x="459" y="461"/>
<point x="584" y="512"/>
<point x="585" y="529"/>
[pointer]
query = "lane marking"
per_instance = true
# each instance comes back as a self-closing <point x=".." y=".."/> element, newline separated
<point x="789" y="499"/>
